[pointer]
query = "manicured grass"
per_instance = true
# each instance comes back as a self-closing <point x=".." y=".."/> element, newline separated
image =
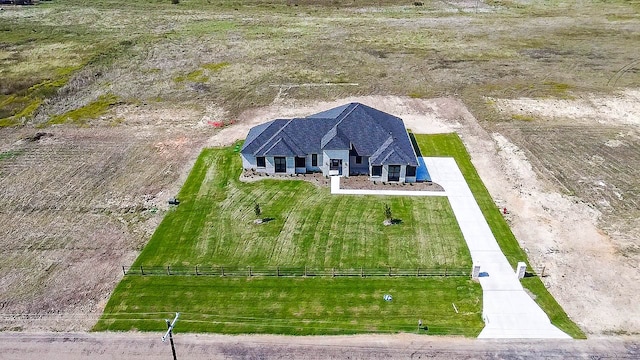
<point x="451" y="145"/>
<point x="301" y="306"/>
<point x="213" y="225"/>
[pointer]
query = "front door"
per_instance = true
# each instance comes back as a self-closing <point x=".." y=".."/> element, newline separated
<point x="394" y="173"/>
<point x="280" y="164"/>
<point x="335" y="167"/>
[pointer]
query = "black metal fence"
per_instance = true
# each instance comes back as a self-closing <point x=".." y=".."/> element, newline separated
<point x="278" y="271"/>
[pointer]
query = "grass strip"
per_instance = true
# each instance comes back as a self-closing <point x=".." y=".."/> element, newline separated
<point x="301" y="306"/>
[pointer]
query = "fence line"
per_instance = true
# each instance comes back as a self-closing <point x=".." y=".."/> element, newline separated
<point x="280" y="271"/>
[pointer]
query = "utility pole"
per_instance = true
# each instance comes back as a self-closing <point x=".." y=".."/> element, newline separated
<point x="170" y="325"/>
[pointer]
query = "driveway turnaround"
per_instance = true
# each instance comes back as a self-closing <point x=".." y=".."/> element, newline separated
<point x="508" y="311"/>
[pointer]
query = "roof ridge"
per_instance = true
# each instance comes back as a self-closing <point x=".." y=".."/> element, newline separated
<point x="398" y="150"/>
<point x="281" y="140"/>
<point x="382" y="147"/>
<point x="274" y="135"/>
<point x="338" y="132"/>
<point x="290" y="140"/>
<point x="342" y="117"/>
<point x="262" y="130"/>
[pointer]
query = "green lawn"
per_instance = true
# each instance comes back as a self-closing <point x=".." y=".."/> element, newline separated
<point x="451" y="145"/>
<point x="300" y="306"/>
<point x="213" y="225"/>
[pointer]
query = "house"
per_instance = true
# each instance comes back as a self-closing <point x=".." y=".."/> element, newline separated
<point x="353" y="139"/>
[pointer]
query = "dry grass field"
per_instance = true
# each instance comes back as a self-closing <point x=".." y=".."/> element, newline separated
<point x="127" y="93"/>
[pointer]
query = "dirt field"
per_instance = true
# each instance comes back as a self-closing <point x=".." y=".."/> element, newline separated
<point x="553" y="86"/>
<point x="76" y="204"/>
<point x="77" y="200"/>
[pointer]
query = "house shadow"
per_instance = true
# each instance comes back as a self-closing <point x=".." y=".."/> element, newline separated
<point x="414" y="142"/>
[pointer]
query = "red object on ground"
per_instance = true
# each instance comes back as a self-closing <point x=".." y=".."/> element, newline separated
<point x="504" y="211"/>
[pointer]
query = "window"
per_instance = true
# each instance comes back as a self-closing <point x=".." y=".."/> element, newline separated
<point x="260" y="161"/>
<point x="394" y="173"/>
<point x="281" y="164"/>
<point x="301" y="162"/>
<point x="314" y="159"/>
<point x="376" y="170"/>
<point x="358" y="159"/>
<point x="411" y="170"/>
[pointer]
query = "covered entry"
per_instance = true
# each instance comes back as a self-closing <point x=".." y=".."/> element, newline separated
<point x="335" y="167"/>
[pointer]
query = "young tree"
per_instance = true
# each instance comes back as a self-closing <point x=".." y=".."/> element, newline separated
<point x="387" y="212"/>
<point x="257" y="210"/>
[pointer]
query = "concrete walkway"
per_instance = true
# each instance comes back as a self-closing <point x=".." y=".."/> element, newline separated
<point x="508" y="311"/>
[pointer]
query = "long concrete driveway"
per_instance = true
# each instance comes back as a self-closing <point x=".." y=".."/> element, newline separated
<point x="508" y="311"/>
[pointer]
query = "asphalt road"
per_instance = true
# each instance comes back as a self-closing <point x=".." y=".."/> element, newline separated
<point x="39" y="346"/>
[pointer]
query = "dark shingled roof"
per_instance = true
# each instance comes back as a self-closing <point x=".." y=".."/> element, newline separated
<point x="370" y="132"/>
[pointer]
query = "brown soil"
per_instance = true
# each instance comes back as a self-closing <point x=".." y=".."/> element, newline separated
<point x="75" y="206"/>
<point x="363" y="183"/>
<point x="352" y="182"/>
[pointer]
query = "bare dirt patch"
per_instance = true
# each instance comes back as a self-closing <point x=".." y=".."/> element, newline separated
<point x="573" y="172"/>
<point x="622" y="108"/>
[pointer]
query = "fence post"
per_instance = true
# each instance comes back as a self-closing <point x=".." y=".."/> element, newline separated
<point x="250" y="274"/>
<point x="305" y="270"/>
<point x="197" y="270"/>
<point x="141" y="270"/>
<point x="278" y="271"/>
<point x="389" y="270"/>
<point x="445" y="272"/>
<point x="123" y="272"/>
<point x="222" y="270"/>
<point x="361" y="271"/>
<point x="418" y="273"/>
<point x="168" y="270"/>
<point x="333" y="272"/>
<point x="542" y="274"/>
